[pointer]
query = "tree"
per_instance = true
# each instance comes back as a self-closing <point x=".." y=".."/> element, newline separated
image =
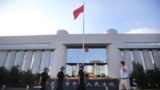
<point x="139" y="75"/>
<point x="146" y="79"/>
<point x="3" y="75"/>
<point x="14" y="76"/>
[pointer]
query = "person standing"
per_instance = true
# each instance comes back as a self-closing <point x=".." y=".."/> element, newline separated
<point x="124" y="82"/>
<point x="43" y="78"/>
<point x="60" y="78"/>
<point x="81" y="85"/>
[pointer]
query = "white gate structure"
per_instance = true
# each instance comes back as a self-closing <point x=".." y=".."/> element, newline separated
<point x="36" y="52"/>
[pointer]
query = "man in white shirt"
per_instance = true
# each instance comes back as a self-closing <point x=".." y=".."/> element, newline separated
<point x="124" y="82"/>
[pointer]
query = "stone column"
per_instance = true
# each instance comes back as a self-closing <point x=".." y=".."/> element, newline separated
<point x="95" y="69"/>
<point x="3" y="55"/>
<point x="27" y="60"/>
<point x="113" y="61"/>
<point x="147" y="60"/>
<point x="10" y="59"/>
<point x="37" y="60"/>
<point x="156" y="56"/>
<point x="59" y="58"/>
<point x="137" y="56"/>
<point x="20" y="59"/>
<point x="45" y="61"/>
<point x="128" y="60"/>
<point x="77" y="69"/>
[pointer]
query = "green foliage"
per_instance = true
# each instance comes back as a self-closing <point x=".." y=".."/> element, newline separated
<point x="16" y="78"/>
<point x="139" y="75"/>
<point x="27" y="78"/>
<point x="13" y="76"/>
<point x="146" y="79"/>
<point x="3" y="75"/>
<point x="153" y="77"/>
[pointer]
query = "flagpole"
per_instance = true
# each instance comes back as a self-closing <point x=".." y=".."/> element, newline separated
<point x="83" y="36"/>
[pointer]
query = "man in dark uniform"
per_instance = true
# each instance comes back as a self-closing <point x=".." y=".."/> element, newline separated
<point x="43" y="78"/>
<point x="81" y="85"/>
<point x="60" y="78"/>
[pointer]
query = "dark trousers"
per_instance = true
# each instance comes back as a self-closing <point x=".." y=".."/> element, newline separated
<point x="81" y="86"/>
<point x="60" y="86"/>
<point x="43" y="86"/>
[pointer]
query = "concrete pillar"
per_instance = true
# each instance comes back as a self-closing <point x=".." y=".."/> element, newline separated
<point x="95" y="69"/>
<point x="37" y="59"/>
<point x="137" y="56"/>
<point x="113" y="61"/>
<point x="45" y="59"/>
<point x="12" y="59"/>
<point x="128" y="61"/>
<point x="3" y="55"/>
<point x="122" y="54"/>
<point x="59" y="58"/>
<point x="147" y="60"/>
<point x="77" y="69"/>
<point x="9" y="59"/>
<point x="51" y="62"/>
<point x="20" y="59"/>
<point x="27" y="60"/>
<point x="156" y="56"/>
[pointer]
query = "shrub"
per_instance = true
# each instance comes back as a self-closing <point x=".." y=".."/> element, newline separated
<point x="16" y="78"/>
<point x="153" y="77"/>
<point x="145" y="79"/>
<point x="13" y="76"/>
<point x="27" y="78"/>
<point x="139" y="75"/>
<point x="3" y="75"/>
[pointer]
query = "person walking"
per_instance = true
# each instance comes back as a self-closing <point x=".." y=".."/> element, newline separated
<point x="60" y="78"/>
<point x="81" y="85"/>
<point x="124" y="82"/>
<point x="43" y="78"/>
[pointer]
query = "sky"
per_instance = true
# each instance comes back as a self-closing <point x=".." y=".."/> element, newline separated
<point x="45" y="17"/>
<point x="75" y="55"/>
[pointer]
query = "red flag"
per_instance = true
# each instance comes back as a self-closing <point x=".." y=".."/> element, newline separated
<point x="78" y="11"/>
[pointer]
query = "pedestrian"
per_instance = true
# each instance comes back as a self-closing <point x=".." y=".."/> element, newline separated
<point x="81" y="84"/>
<point x="43" y="78"/>
<point x="124" y="81"/>
<point x="60" y="78"/>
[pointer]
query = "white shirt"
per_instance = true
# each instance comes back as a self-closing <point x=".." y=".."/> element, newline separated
<point x="124" y="73"/>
